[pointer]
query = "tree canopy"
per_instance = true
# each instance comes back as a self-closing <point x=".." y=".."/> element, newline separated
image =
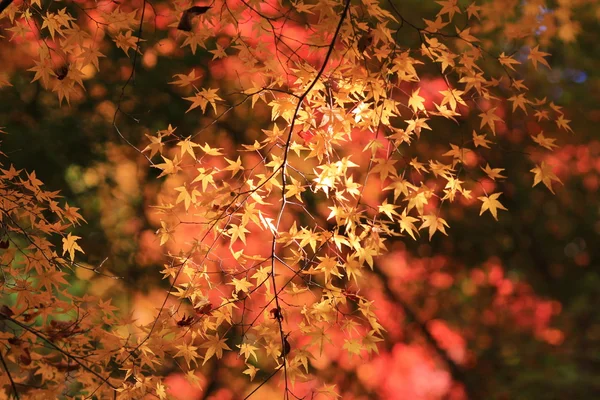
<point x="297" y="199"/>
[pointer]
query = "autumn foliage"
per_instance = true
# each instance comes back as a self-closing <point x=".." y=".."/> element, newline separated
<point x="282" y="242"/>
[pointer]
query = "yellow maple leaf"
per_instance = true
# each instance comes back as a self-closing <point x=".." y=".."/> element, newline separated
<point x="203" y="98"/>
<point x="169" y="166"/>
<point x="416" y="102"/>
<point x="434" y="223"/>
<point x="237" y="232"/>
<point x="492" y="204"/>
<point x="215" y="346"/>
<point x="353" y="346"/>
<point x="241" y="285"/>
<point x="165" y="233"/>
<point x="161" y="391"/>
<point x="508" y="61"/>
<point x="543" y="173"/>
<point x="543" y="141"/>
<point x="186" y="196"/>
<point x="234" y="166"/>
<point x="493" y="173"/>
<point x="183" y="80"/>
<point x="407" y="224"/>
<point x="188" y="352"/>
<point x="535" y="56"/>
<point x="488" y="118"/>
<point x="251" y="371"/>
<point x="480" y="140"/>
<point x="248" y="350"/>
<point x="70" y="245"/>
<point x="187" y="146"/>
<point x="329" y="391"/>
<point x="156" y="145"/>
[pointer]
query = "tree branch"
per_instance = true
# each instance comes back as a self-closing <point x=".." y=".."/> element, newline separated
<point x="10" y="378"/>
<point x="63" y="352"/>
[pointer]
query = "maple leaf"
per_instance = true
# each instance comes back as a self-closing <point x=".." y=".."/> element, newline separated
<point x="508" y="61"/>
<point x="452" y="97"/>
<point x="416" y="102"/>
<point x="480" y="140"/>
<point x="126" y="42"/>
<point x="457" y="152"/>
<point x="388" y="209"/>
<point x="156" y="145"/>
<point x="353" y="347"/>
<point x="43" y="71"/>
<point x="473" y="10"/>
<point x="434" y="26"/>
<point x="563" y="123"/>
<point x="185" y="80"/>
<point x="248" y="350"/>
<point x="187" y="147"/>
<point x="90" y="55"/>
<point x="188" y="352"/>
<point x="492" y="204"/>
<point x="465" y="35"/>
<point x="493" y="173"/>
<point x="488" y="118"/>
<point x="165" y="233"/>
<point x="11" y="173"/>
<point x="203" y="98"/>
<point x="210" y="151"/>
<point x="385" y="167"/>
<point x="234" y="166"/>
<point x="400" y="186"/>
<point x="237" y="232"/>
<point x="4" y="4"/>
<point x="294" y="188"/>
<point x="55" y="22"/>
<point x="215" y="346"/>
<point x="370" y="342"/>
<point x="543" y="173"/>
<point x="251" y="371"/>
<point x="329" y="391"/>
<point x="543" y="141"/>
<point x="161" y="391"/>
<point x="219" y="52"/>
<point x="535" y="56"/>
<point x="434" y="223"/>
<point x="186" y="196"/>
<point x="169" y="167"/>
<point x="70" y="245"/>
<point x="71" y="213"/>
<point x="449" y="7"/>
<point x="241" y="285"/>
<point x="193" y="379"/>
<point x="407" y="224"/>
<point x="418" y="166"/>
<point x="519" y="101"/>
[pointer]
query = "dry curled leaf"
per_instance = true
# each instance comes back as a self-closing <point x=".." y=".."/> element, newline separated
<point x="185" y="23"/>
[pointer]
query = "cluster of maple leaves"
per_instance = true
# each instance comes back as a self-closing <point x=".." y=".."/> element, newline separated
<point x="346" y="105"/>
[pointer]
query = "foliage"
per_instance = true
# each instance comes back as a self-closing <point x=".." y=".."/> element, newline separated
<point x="273" y="231"/>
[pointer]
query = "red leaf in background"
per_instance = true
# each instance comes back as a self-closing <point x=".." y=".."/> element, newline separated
<point x="306" y="135"/>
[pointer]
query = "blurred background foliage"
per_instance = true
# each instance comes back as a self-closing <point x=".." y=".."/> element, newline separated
<point x="521" y="295"/>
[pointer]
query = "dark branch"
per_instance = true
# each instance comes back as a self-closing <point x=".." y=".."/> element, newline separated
<point x="4" y="4"/>
<point x="10" y="378"/>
